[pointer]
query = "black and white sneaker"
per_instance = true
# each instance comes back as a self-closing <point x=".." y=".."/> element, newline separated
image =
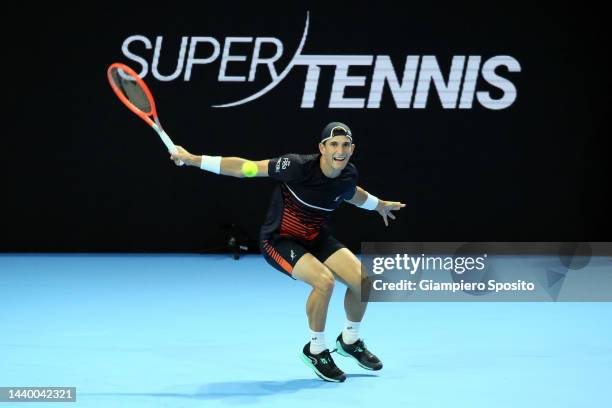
<point x="322" y="364"/>
<point x="360" y="353"/>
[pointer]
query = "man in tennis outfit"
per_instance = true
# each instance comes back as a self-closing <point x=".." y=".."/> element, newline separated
<point x="295" y="238"/>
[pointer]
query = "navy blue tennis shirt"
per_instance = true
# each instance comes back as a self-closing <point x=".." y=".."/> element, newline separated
<point x="305" y="197"/>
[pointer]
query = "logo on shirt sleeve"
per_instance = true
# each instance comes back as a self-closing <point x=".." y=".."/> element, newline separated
<point x="282" y="163"/>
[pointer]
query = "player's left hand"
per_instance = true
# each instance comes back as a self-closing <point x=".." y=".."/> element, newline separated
<point x="385" y="207"/>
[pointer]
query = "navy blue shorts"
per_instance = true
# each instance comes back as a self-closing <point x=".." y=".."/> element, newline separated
<point x="283" y="252"/>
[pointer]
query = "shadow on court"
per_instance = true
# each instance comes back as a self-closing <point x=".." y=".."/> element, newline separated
<point x="239" y="389"/>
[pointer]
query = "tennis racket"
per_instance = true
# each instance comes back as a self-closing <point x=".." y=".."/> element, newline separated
<point x="135" y="94"/>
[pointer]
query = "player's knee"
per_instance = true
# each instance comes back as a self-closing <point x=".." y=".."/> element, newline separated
<point x="355" y="280"/>
<point x="326" y="282"/>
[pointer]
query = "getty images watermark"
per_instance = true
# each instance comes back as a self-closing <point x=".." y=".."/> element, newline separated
<point x="459" y="265"/>
<point x="490" y="271"/>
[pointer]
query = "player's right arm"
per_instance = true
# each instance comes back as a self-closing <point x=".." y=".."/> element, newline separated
<point x="232" y="166"/>
<point x="286" y="168"/>
<point x="228" y="166"/>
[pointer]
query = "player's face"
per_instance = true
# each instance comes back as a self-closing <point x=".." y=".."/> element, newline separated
<point x="337" y="151"/>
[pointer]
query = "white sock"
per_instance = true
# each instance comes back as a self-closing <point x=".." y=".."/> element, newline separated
<point x="317" y="342"/>
<point x="350" y="333"/>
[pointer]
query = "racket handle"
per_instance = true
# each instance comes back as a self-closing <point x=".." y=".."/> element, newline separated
<point x="167" y="141"/>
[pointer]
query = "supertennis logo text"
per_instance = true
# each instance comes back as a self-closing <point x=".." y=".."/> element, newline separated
<point x="409" y="84"/>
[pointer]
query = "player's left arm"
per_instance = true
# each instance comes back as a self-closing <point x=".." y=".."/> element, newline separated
<point x="363" y="199"/>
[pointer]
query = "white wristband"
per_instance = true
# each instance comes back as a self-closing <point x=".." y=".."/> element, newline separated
<point x="211" y="163"/>
<point x="370" y="203"/>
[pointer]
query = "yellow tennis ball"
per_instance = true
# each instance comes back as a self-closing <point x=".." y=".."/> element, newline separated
<point x="249" y="169"/>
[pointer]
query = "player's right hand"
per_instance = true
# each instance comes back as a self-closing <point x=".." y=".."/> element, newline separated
<point x="181" y="156"/>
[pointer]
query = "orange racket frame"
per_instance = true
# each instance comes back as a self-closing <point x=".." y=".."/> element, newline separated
<point x="149" y="117"/>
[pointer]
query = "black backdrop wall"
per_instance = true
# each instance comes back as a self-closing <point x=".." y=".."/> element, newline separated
<point x="82" y="173"/>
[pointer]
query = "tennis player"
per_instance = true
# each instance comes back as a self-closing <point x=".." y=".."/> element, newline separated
<point x="296" y="240"/>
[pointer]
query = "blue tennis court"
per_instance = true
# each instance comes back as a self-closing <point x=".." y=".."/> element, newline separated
<point x="208" y="331"/>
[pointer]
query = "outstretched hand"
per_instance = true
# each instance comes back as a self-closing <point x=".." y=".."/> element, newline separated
<point x="385" y="207"/>
<point x="181" y="156"/>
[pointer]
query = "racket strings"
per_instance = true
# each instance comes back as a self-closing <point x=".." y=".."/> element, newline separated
<point x="131" y="90"/>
